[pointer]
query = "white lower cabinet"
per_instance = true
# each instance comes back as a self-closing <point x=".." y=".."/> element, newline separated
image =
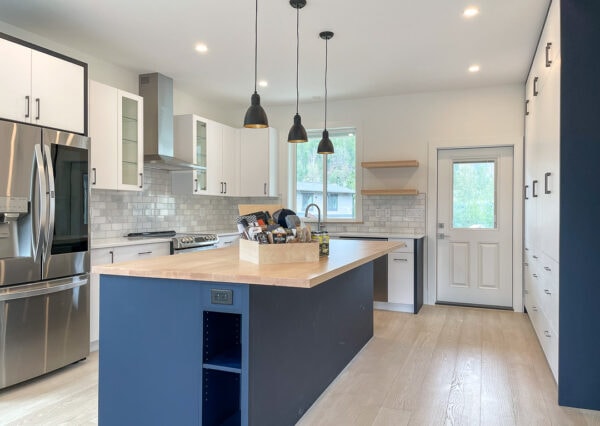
<point x="108" y="255"/>
<point x="541" y="300"/>
<point x="401" y="273"/>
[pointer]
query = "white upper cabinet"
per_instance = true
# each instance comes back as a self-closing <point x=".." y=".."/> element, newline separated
<point x="41" y="89"/>
<point x="258" y="165"/>
<point x="212" y="146"/>
<point x="116" y="131"/>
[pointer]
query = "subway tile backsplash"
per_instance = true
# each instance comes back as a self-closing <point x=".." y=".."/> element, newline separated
<point x="116" y="213"/>
<point x="388" y="214"/>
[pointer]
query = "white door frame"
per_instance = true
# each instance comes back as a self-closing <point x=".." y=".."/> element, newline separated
<point x="517" y="235"/>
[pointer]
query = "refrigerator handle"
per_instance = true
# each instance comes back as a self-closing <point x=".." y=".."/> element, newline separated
<point x="50" y="197"/>
<point x="46" y="287"/>
<point x="43" y="214"/>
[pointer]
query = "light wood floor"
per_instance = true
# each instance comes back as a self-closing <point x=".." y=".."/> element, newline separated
<point x="445" y="366"/>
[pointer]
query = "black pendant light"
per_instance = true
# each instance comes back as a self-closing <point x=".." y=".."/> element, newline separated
<point x="325" y="146"/>
<point x="297" y="133"/>
<point x="256" y="117"/>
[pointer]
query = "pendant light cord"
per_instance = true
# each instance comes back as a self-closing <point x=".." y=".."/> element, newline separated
<point x="326" y="42"/>
<point x="255" y="45"/>
<point x="297" y="54"/>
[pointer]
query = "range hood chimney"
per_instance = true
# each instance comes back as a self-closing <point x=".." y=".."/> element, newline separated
<point x="157" y="91"/>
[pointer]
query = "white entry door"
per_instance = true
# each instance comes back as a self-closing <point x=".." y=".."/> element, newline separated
<point x="474" y="226"/>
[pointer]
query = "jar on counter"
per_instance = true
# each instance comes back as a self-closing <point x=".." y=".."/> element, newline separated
<point x="322" y="237"/>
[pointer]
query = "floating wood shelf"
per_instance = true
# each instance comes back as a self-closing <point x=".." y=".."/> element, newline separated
<point x="389" y="192"/>
<point x="389" y="164"/>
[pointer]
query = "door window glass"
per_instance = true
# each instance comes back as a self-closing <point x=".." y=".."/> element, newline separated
<point x="474" y="194"/>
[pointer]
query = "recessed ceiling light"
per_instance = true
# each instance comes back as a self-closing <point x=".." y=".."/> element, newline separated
<point x="201" y="47"/>
<point x="470" y="12"/>
<point x="263" y="83"/>
<point x="474" y="68"/>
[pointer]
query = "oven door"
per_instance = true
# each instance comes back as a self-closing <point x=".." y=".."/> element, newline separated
<point x="193" y="249"/>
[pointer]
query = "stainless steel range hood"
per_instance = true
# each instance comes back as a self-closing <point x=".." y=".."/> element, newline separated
<point x="157" y="91"/>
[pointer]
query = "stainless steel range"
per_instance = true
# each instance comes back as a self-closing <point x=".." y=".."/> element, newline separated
<point x="184" y="242"/>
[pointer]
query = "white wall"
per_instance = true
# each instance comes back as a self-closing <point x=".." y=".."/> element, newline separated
<point x="102" y="70"/>
<point x="400" y="127"/>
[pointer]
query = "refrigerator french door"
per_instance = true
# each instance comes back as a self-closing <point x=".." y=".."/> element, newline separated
<point x="44" y="253"/>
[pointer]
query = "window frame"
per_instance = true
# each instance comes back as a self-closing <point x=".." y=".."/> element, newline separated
<point x="292" y="193"/>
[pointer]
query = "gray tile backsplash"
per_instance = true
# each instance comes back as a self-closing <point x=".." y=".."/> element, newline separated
<point x="116" y="213"/>
<point x="389" y="214"/>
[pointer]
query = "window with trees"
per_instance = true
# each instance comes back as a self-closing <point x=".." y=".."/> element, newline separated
<point x="328" y="180"/>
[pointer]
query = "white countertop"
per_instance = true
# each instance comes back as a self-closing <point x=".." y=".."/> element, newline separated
<point x="98" y="243"/>
<point x="376" y="235"/>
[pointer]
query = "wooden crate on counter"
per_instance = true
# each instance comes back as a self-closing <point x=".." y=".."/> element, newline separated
<point x="265" y="254"/>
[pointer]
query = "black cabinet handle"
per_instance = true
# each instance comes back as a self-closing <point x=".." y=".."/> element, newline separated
<point x="265" y="189"/>
<point x="195" y="185"/>
<point x="225" y="187"/>
<point x="535" y="90"/>
<point x="546" y="176"/>
<point x="141" y="180"/>
<point x="533" y="189"/>
<point x="527" y="107"/>
<point x="94" y="170"/>
<point x="526" y="197"/>
<point x="37" y="102"/>
<point x="112" y="256"/>
<point x="548" y="61"/>
<point x="27" y="113"/>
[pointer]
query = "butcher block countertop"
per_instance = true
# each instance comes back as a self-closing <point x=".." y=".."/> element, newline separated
<point x="224" y="265"/>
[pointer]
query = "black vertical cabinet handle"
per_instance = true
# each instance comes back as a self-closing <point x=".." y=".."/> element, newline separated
<point x="546" y="176"/>
<point x="265" y="189"/>
<point x="526" y="197"/>
<point x="527" y="107"/>
<point x="534" y="183"/>
<point x="27" y="113"/>
<point x="195" y="185"/>
<point x="225" y="187"/>
<point x="94" y="181"/>
<point x="548" y="61"/>
<point x="141" y="180"/>
<point x="37" y="102"/>
<point x="535" y="90"/>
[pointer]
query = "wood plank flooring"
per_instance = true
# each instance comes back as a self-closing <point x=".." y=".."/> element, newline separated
<point x="445" y="366"/>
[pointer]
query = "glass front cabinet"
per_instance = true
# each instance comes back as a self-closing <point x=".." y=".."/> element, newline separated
<point x="191" y="144"/>
<point x="130" y="149"/>
<point x="117" y="143"/>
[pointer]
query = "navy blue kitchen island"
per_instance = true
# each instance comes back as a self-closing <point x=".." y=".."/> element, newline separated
<point x="204" y="338"/>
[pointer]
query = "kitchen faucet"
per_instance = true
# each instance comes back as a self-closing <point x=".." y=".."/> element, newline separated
<point x="318" y="217"/>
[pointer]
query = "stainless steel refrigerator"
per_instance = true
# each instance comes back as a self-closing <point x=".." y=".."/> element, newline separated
<point x="44" y="251"/>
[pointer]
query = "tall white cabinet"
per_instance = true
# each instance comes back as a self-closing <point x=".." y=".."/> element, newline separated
<point x="116" y="131"/>
<point x="542" y="189"/>
<point x="41" y="88"/>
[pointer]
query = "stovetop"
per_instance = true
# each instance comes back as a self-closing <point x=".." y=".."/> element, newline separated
<point x="180" y="241"/>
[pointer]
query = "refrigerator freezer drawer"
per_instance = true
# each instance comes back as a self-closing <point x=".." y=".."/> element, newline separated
<point x="43" y="326"/>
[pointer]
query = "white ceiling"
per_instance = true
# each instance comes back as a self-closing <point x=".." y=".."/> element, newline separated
<point x="380" y="47"/>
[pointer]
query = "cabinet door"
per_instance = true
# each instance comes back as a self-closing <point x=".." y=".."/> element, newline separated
<point x="15" y="81"/>
<point x="254" y="162"/>
<point x="231" y="161"/>
<point x="401" y="278"/>
<point x="103" y="131"/>
<point x="130" y="141"/>
<point x="57" y="90"/>
<point x="214" y="162"/>
<point x="141" y="251"/>
<point x="98" y="257"/>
